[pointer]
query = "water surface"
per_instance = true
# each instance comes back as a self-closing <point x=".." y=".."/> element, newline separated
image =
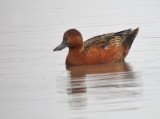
<point x="36" y="84"/>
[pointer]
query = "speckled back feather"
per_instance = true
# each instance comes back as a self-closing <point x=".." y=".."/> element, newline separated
<point x="106" y="40"/>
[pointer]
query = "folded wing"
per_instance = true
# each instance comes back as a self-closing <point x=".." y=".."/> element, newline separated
<point x="111" y="39"/>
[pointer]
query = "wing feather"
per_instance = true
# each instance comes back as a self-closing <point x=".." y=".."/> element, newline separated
<point x="106" y="40"/>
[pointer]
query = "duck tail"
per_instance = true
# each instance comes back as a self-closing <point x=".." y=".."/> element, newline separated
<point x="131" y="36"/>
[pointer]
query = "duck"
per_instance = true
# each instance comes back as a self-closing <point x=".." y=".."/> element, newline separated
<point x="101" y="49"/>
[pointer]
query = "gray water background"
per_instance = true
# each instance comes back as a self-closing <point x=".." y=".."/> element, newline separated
<point x="36" y="84"/>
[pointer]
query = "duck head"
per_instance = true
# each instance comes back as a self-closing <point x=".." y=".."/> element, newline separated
<point x="72" y="38"/>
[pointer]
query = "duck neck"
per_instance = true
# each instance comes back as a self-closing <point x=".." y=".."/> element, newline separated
<point x="76" y="51"/>
<point x="75" y="56"/>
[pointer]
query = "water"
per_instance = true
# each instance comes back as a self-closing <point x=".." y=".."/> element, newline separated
<point x="36" y="84"/>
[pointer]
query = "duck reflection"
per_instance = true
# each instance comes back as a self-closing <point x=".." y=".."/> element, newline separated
<point x="102" y="80"/>
<point x="82" y="71"/>
<point x="78" y="74"/>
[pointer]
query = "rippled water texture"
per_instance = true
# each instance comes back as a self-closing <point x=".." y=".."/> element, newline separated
<point x="36" y="84"/>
